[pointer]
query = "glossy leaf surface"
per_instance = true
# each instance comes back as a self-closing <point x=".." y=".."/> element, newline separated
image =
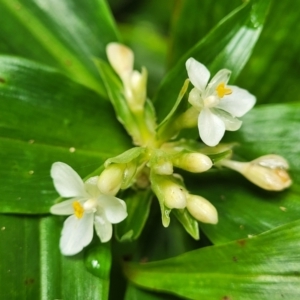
<point x="272" y="72"/>
<point x="138" y="208"/>
<point x="64" y="34"/>
<point x="46" y="117"/>
<point x="196" y="18"/>
<point x="33" y="268"/>
<point x="245" y="269"/>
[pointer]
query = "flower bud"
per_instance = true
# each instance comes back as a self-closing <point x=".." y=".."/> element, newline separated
<point x="268" y="172"/>
<point x="193" y="162"/>
<point x="201" y="209"/>
<point x="169" y="191"/>
<point x="110" y="180"/>
<point x="174" y="196"/>
<point x="188" y="119"/>
<point x="128" y="175"/>
<point x="164" y="168"/>
<point x="121" y="59"/>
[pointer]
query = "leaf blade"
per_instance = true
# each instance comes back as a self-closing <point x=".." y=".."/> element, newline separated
<point x="237" y="270"/>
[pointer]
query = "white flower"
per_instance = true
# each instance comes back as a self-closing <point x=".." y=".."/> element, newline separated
<point x="87" y="207"/>
<point x="218" y="104"/>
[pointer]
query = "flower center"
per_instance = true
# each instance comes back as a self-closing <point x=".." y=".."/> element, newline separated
<point x="211" y="101"/>
<point x="90" y="205"/>
<point x="283" y="175"/>
<point x="78" y="209"/>
<point x="222" y="90"/>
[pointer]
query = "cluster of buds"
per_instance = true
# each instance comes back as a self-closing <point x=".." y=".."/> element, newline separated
<point x="212" y="106"/>
<point x="172" y="194"/>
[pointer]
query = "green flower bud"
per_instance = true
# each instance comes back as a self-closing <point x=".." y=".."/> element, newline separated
<point x="174" y="196"/>
<point x="110" y="180"/>
<point x="193" y="162"/>
<point x="164" y="168"/>
<point x="169" y="191"/>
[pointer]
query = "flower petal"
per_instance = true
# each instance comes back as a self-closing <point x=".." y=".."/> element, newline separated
<point x="76" y="234"/>
<point x="221" y="77"/>
<point x="238" y="103"/>
<point x="198" y="74"/>
<point x="231" y="123"/>
<point x="63" y="208"/>
<point x="114" y="208"/>
<point x="66" y="181"/>
<point x="211" y="127"/>
<point x="103" y="228"/>
<point x="121" y="59"/>
<point x="91" y="187"/>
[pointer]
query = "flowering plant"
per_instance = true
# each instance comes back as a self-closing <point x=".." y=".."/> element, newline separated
<point x="162" y="166"/>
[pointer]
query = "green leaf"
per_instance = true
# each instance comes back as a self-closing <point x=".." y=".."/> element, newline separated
<point x="46" y="117"/>
<point x="134" y="293"/>
<point x="115" y="91"/>
<point x="192" y="20"/>
<point x="138" y="208"/>
<point x="127" y="156"/>
<point x="272" y="72"/>
<point x="243" y="208"/>
<point x="188" y="222"/>
<point x="65" y="34"/>
<point x="167" y="129"/>
<point x="247" y="269"/>
<point x="33" y="267"/>
<point x="229" y="45"/>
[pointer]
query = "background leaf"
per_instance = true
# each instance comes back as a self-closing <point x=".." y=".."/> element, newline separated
<point x="138" y="207"/>
<point x="191" y="21"/>
<point x="64" y="34"/>
<point x="39" y="271"/>
<point x="272" y="72"/>
<point x="46" y="117"/>
<point x="246" y="269"/>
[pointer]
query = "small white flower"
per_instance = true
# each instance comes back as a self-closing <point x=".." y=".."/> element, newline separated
<point x="219" y="105"/>
<point x="87" y="207"/>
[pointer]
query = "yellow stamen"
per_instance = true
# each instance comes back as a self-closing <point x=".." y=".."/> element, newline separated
<point x="222" y="90"/>
<point x="78" y="209"/>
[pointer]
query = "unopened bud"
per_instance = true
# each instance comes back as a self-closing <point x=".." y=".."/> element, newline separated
<point x="110" y="180"/>
<point x="169" y="191"/>
<point x="174" y="196"/>
<point x="201" y="209"/>
<point x="136" y="89"/>
<point x="268" y="172"/>
<point x="188" y="119"/>
<point x="121" y="59"/>
<point x="128" y="175"/>
<point x="193" y="162"/>
<point x="164" y="168"/>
